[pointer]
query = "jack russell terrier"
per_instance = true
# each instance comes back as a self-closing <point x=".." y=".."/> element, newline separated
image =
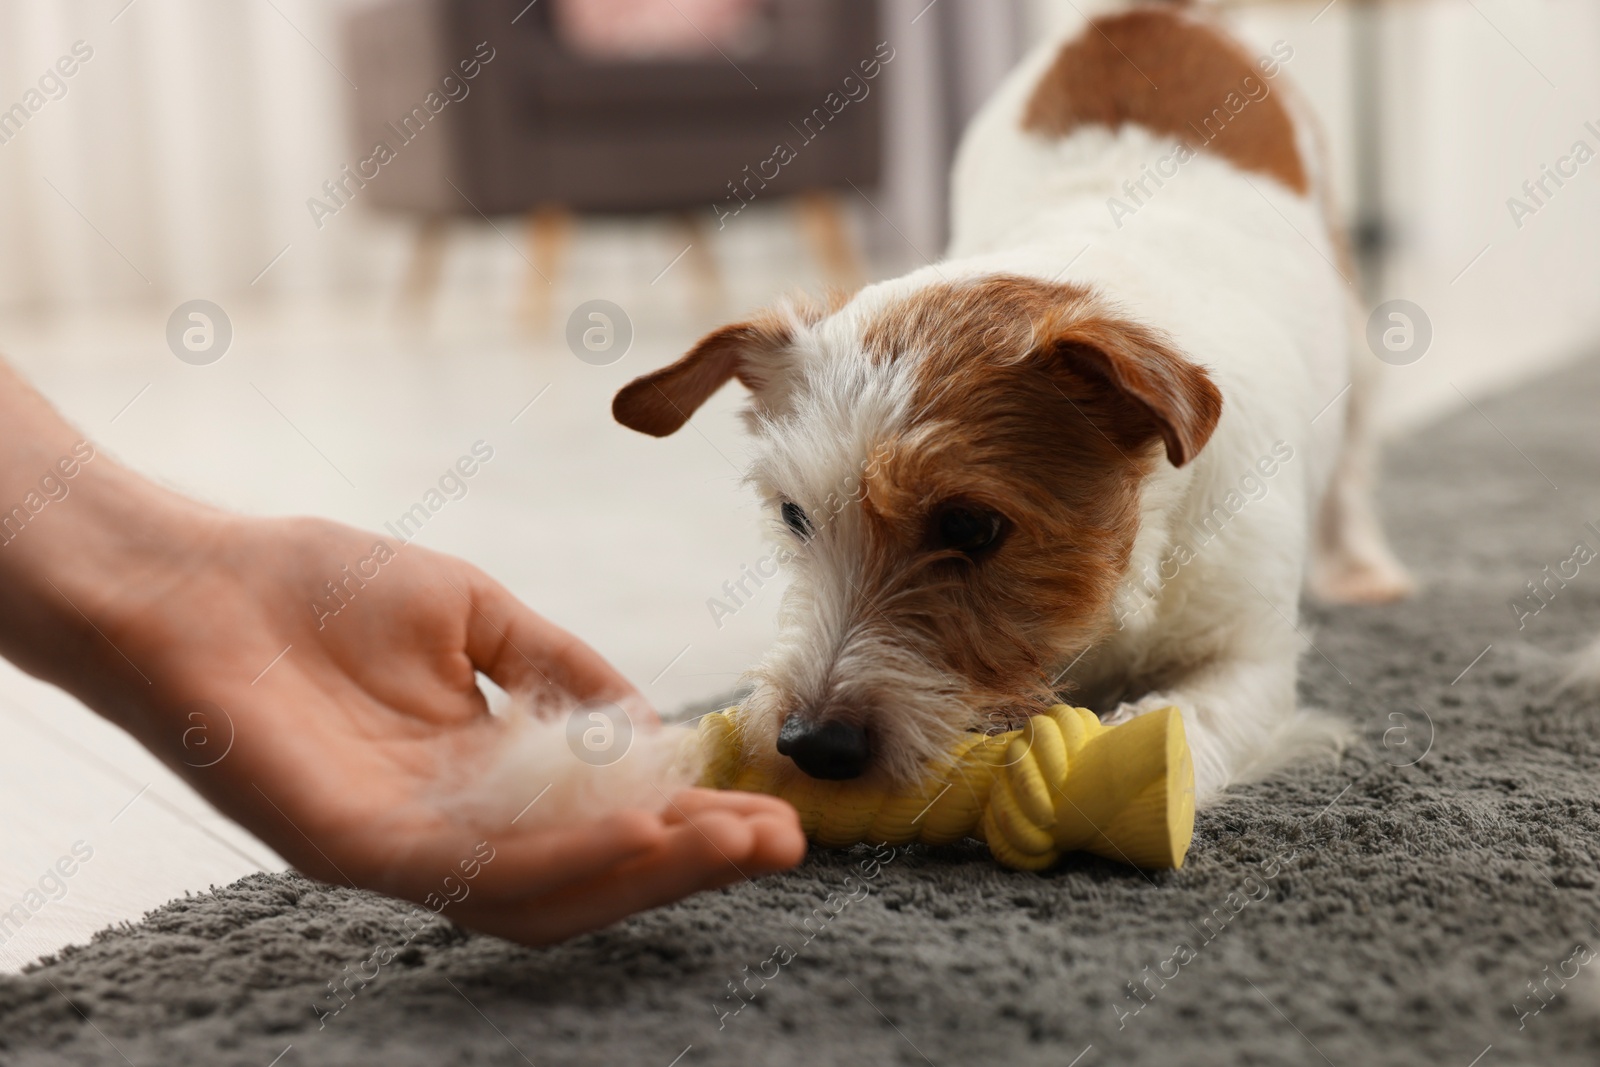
<point x="1090" y="452"/>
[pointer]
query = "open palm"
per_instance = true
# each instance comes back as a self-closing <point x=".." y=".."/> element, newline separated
<point x="334" y="726"/>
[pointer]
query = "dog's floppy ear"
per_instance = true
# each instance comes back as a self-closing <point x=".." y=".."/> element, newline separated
<point x="661" y="402"/>
<point x="1170" y="394"/>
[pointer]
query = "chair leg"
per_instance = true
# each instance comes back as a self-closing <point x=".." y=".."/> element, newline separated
<point x="706" y="276"/>
<point x="549" y="232"/>
<point x="823" y="224"/>
<point x="420" y="284"/>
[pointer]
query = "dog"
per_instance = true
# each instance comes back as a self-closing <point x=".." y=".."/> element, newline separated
<point x="1093" y="452"/>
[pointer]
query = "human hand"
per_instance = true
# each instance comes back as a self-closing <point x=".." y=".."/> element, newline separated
<point x="347" y="731"/>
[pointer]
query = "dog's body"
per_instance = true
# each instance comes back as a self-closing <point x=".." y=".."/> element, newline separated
<point x="1089" y="450"/>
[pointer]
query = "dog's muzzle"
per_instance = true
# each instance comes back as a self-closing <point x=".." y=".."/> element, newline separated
<point x="832" y="750"/>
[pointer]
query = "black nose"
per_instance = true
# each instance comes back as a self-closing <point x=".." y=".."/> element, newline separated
<point x="831" y="750"/>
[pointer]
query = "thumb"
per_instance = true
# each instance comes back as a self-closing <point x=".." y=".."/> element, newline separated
<point x="522" y="651"/>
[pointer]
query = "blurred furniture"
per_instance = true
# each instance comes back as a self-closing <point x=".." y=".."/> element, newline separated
<point x="548" y="132"/>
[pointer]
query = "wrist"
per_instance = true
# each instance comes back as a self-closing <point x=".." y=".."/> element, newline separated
<point x="86" y="548"/>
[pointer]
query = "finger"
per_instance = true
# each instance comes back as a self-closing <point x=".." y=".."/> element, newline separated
<point x="776" y="840"/>
<point x="547" y="859"/>
<point x="684" y="864"/>
<point x="523" y="651"/>
<point x="780" y="843"/>
<point x="720" y="836"/>
<point x="692" y="801"/>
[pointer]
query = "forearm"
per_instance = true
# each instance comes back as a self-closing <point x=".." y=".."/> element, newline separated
<point x="78" y="532"/>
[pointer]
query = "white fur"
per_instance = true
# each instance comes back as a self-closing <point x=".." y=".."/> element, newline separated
<point x="1237" y="269"/>
<point x="1583" y="672"/>
<point x="535" y="776"/>
<point x="833" y="644"/>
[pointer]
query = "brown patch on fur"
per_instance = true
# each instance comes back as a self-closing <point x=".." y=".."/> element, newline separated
<point x="1032" y="402"/>
<point x="1104" y="77"/>
<point x="965" y="328"/>
<point x="659" y="403"/>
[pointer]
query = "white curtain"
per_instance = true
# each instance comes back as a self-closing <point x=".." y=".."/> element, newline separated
<point x="176" y="160"/>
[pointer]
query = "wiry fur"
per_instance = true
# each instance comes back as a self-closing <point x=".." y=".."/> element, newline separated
<point x="1107" y="385"/>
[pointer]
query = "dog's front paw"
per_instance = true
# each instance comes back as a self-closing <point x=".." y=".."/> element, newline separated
<point x="1132" y="709"/>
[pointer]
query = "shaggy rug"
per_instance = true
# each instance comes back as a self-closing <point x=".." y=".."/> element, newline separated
<point x="1432" y="899"/>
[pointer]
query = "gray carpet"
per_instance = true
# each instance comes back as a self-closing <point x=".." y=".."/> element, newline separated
<point x="1370" y="913"/>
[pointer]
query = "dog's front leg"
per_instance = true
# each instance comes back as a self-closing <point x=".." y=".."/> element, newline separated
<point x="1235" y="713"/>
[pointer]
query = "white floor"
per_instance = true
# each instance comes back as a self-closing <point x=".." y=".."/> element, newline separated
<point x="343" y="408"/>
<point x="335" y="406"/>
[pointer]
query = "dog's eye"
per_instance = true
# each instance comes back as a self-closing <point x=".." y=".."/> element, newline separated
<point x="795" y="519"/>
<point x="973" y="531"/>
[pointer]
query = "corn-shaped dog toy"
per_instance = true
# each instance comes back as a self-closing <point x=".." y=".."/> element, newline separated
<point x="1063" y="783"/>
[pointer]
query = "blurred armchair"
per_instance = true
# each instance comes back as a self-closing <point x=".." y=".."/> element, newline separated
<point x="552" y="127"/>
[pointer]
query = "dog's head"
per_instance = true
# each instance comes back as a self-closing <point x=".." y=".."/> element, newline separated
<point x="957" y="470"/>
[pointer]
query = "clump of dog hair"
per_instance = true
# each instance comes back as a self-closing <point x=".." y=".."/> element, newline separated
<point x="557" y="761"/>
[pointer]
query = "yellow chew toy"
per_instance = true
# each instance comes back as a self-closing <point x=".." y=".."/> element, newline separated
<point x="1063" y="783"/>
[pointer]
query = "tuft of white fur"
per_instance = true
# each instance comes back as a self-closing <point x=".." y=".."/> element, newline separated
<point x="542" y="774"/>
<point x="1583" y="672"/>
<point x="1308" y="736"/>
